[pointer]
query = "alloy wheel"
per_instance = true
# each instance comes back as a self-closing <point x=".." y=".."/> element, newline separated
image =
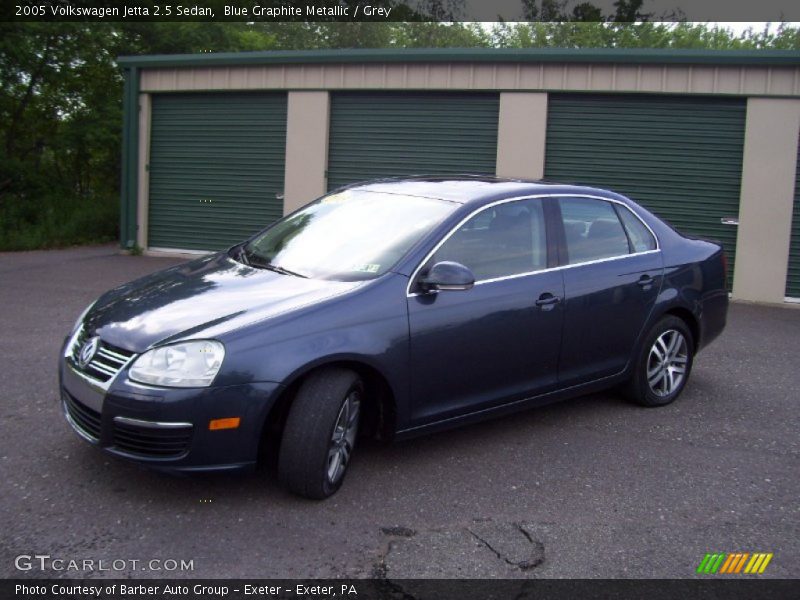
<point x="344" y="436"/>
<point x="666" y="363"/>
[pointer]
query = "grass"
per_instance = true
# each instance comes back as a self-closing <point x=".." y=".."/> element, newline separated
<point x="55" y="221"/>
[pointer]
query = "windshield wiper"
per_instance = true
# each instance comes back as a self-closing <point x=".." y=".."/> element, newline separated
<point x="247" y="258"/>
<point x="258" y="264"/>
<point x="280" y="270"/>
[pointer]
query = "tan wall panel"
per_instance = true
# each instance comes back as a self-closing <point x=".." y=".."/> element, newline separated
<point x="677" y="79"/>
<point x="702" y="80"/>
<point x="353" y="78"/>
<point x="530" y="79"/>
<point x="765" y="211"/>
<point x="652" y="79"/>
<point x="143" y="191"/>
<point x="521" y="135"/>
<point x="306" y="148"/>
<point x="460" y="76"/>
<point x="508" y="77"/>
<point x="578" y="78"/>
<point x="553" y="78"/>
<point x="729" y="80"/>
<point x="625" y="77"/>
<point x="786" y="79"/>
<point x="755" y="81"/>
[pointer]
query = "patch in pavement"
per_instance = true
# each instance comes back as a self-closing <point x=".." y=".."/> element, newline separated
<point x="483" y="549"/>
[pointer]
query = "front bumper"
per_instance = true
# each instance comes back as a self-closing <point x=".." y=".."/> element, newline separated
<point x="167" y="428"/>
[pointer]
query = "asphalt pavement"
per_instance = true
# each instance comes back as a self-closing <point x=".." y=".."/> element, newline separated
<point x="593" y="487"/>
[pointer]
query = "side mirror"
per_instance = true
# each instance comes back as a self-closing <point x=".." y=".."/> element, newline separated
<point x="447" y="276"/>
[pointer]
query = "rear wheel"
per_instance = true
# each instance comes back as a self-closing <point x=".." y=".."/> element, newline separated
<point x="320" y="433"/>
<point x="663" y="365"/>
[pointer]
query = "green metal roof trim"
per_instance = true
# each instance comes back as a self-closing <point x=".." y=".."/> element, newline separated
<point x="473" y="55"/>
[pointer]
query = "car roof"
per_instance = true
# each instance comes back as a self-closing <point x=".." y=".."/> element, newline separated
<point x="474" y="189"/>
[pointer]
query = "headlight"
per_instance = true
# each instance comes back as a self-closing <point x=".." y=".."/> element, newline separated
<point x="188" y="364"/>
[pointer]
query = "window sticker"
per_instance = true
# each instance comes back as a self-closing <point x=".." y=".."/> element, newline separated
<point x="367" y="268"/>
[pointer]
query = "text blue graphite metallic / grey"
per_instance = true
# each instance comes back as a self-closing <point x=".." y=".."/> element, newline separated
<point x="391" y="308"/>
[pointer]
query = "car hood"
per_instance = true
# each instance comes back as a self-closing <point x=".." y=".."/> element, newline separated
<point x="190" y="299"/>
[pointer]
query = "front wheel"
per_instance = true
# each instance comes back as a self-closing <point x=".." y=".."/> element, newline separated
<point x="320" y="433"/>
<point x="663" y="365"/>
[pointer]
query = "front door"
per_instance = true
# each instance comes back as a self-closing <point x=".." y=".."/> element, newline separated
<point x="499" y="341"/>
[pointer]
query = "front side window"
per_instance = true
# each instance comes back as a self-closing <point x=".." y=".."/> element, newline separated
<point x="592" y="229"/>
<point x="352" y="235"/>
<point x="502" y="240"/>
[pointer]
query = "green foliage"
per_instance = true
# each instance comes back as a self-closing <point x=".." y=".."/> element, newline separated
<point x="53" y="220"/>
<point x="61" y="90"/>
<point x="646" y="34"/>
<point x="61" y="115"/>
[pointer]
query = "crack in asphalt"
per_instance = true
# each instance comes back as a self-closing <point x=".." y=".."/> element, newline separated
<point x="522" y="565"/>
<point x="489" y="546"/>
<point x="528" y="558"/>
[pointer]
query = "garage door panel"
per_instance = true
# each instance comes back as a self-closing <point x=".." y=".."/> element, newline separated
<point x="382" y="134"/>
<point x="216" y="167"/>
<point x="679" y="157"/>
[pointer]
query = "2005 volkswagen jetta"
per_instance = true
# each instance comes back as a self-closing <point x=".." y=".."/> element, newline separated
<point x="391" y="308"/>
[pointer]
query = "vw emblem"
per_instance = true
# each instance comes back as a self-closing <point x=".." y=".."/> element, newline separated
<point x="88" y="351"/>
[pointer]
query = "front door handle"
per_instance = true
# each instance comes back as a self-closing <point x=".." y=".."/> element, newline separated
<point x="547" y="301"/>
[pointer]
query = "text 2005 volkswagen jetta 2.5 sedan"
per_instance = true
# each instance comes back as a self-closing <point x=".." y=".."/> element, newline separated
<point x="390" y="309"/>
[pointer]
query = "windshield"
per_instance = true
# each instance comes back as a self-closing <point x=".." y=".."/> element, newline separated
<point x="346" y="236"/>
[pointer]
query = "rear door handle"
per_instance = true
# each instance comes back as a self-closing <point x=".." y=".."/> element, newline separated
<point x="547" y="301"/>
<point x="645" y="281"/>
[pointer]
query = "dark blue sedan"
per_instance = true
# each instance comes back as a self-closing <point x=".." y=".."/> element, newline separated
<point x="390" y="309"/>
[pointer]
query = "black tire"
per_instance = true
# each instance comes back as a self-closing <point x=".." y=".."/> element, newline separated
<point x="666" y="388"/>
<point x="304" y="460"/>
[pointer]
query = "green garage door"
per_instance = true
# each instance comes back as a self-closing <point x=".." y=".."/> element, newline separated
<point x="793" y="276"/>
<point x="394" y="134"/>
<point x="216" y="168"/>
<point x="679" y="157"/>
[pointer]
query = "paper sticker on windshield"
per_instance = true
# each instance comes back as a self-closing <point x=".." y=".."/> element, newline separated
<point x="367" y="268"/>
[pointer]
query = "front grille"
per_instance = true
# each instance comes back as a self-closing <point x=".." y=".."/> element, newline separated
<point x="106" y="363"/>
<point x="156" y="442"/>
<point x="85" y="419"/>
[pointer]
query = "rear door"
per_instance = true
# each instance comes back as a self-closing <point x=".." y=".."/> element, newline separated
<point x="612" y="274"/>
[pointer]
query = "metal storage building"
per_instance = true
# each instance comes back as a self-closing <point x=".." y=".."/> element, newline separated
<point x="216" y="146"/>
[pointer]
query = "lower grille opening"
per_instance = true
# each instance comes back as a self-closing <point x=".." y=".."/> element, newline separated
<point x="153" y="442"/>
<point x="83" y="418"/>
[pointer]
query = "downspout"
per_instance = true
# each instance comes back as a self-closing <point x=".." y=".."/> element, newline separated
<point x="130" y="157"/>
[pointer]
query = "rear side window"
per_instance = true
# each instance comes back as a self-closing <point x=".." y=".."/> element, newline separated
<point x="507" y="239"/>
<point x="641" y="238"/>
<point x="593" y="230"/>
